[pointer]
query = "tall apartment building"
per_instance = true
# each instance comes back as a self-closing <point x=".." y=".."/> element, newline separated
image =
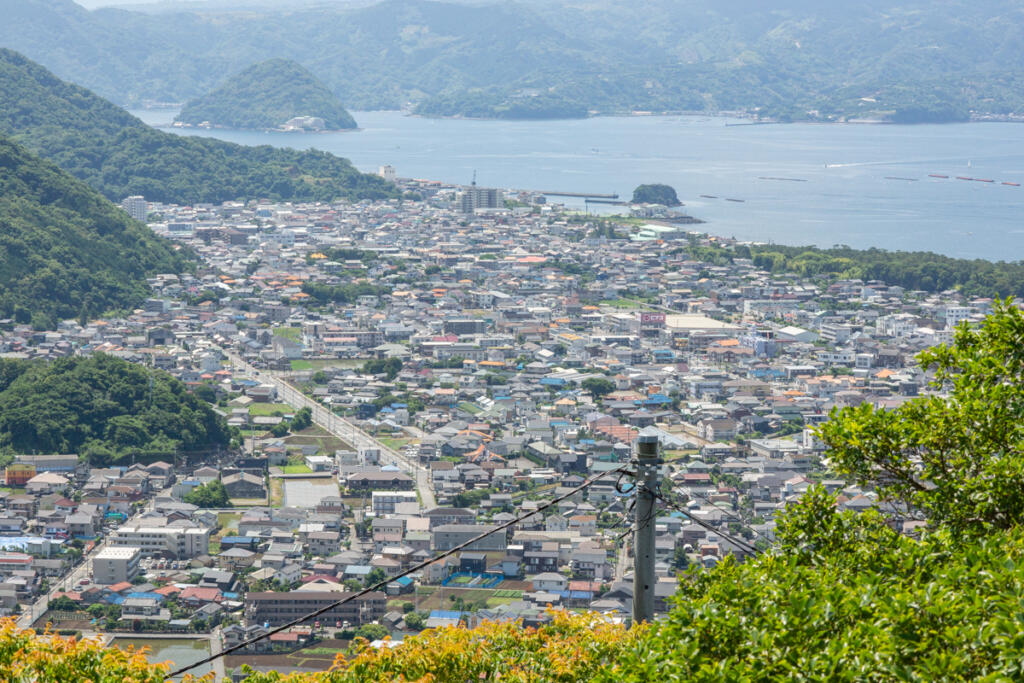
<point x="163" y="541"/>
<point x="473" y="198"/>
<point x="114" y="565"/>
<point x="136" y="207"/>
<point x="275" y="608"/>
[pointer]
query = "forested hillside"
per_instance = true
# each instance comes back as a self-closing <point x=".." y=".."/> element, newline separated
<point x="65" y="251"/>
<point x="266" y="95"/>
<point x="119" y="155"/>
<point x="101" y="407"/>
<point x="903" y="60"/>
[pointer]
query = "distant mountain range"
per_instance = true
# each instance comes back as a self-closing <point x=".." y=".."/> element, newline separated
<point x="118" y="155"/>
<point x="267" y="95"/>
<point x="901" y="60"/>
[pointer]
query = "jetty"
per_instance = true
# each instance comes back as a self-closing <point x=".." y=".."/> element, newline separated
<point x="578" y="194"/>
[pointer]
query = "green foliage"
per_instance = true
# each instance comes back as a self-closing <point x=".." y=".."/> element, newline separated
<point x="266" y="95"/>
<point x="118" y="155"/>
<point x="375" y="576"/>
<point x="959" y="460"/>
<point x="845" y="599"/>
<point x="209" y="495"/>
<point x="599" y="387"/>
<point x="655" y="194"/>
<point x="302" y="420"/>
<point x="64" y="249"/>
<point x="415" y="621"/>
<point x="101" y="407"/>
<point x="63" y="604"/>
<point x="372" y="632"/>
<point x="912" y="270"/>
<point x="342" y="294"/>
<point x="389" y="366"/>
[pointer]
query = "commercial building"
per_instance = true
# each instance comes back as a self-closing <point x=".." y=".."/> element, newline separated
<point x="162" y="541"/>
<point x="275" y="608"/>
<point x="114" y="565"/>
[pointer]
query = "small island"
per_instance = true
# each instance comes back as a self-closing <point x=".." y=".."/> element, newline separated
<point x="277" y="94"/>
<point x="655" y="193"/>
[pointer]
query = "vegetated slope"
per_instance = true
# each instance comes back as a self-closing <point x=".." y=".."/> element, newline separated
<point x="119" y="155"/>
<point x="66" y="251"/>
<point x="266" y="95"/>
<point x="907" y="60"/>
<point x="102" y="407"/>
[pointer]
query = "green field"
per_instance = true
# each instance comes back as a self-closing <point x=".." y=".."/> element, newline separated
<point x="293" y="333"/>
<point x="470" y="408"/>
<point x="396" y="443"/>
<point x="270" y="409"/>
<point x="296" y="469"/>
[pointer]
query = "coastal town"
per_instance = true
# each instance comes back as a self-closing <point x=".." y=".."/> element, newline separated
<point x="403" y="376"/>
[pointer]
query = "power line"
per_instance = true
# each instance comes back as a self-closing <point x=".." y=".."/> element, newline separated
<point x="728" y="514"/>
<point x="742" y="545"/>
<point x="380" y="584"/>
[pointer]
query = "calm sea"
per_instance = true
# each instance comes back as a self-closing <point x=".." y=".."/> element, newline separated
<point x="861" y="185"/>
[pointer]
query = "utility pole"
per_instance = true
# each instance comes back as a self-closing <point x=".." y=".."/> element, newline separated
<point x="647" y="462"/>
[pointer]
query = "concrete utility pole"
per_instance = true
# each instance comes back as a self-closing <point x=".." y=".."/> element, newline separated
<point x="647" y="462"/>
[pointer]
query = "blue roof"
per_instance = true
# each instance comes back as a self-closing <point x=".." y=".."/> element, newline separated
<point x="403" y="581"/>
<point x="155" y="596"/>
<point x="445" y="614"/>
<point x="552" y="381"/>
<point x="251" y="540"/>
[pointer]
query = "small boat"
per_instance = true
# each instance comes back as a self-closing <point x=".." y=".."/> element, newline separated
<point x="740" y="201"/>
<point x="1011" y="184"/>
<point x="893" y="177"/>
<point x="937" y="175"/>
<point x="709" y="196"/>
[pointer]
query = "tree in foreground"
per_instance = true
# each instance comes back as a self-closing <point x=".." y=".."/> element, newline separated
<point x="956" y="461"/>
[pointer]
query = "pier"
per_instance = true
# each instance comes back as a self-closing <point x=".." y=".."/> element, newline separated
<point x="578" y="194"/>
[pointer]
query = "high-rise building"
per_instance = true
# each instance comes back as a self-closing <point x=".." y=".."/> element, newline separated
<point x="387" y="172"/>
<point x="136" y="207"/>
<point x="473" y="198"/>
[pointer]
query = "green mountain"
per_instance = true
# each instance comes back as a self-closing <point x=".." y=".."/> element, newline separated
<point x="64" y="249"/>
<point x="266" y="95"/>
<point x="119" y="155"/>
<point x="904" y="60"/>
<point x="102" y="407"/>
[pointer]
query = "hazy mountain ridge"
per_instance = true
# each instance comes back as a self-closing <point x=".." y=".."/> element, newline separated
<point x="266" y="95"/>
<point x="488" y="59"/>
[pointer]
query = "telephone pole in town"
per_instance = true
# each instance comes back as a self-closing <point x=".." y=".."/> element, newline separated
<point x="647" y="462"/>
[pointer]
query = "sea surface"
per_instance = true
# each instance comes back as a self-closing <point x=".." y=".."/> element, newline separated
<point x="856" y="184"/>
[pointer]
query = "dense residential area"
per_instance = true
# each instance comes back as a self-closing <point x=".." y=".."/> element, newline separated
<point x="400" y="377"/>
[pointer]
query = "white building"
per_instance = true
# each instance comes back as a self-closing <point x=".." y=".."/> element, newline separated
<point x="162" y="541"/>
<point x="136" y="207"/>
<point x="384" y="502"/>
<point x="387" y="172"/>
<point x="115" y="564"/>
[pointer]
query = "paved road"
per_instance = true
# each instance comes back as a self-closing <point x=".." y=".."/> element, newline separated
<point x="38" y="608"/>
<point x="342" y="428"/>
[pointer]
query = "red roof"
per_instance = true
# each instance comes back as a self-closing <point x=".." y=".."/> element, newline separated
<point x="201" y="594"/>
<point x="118" y="587"/>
